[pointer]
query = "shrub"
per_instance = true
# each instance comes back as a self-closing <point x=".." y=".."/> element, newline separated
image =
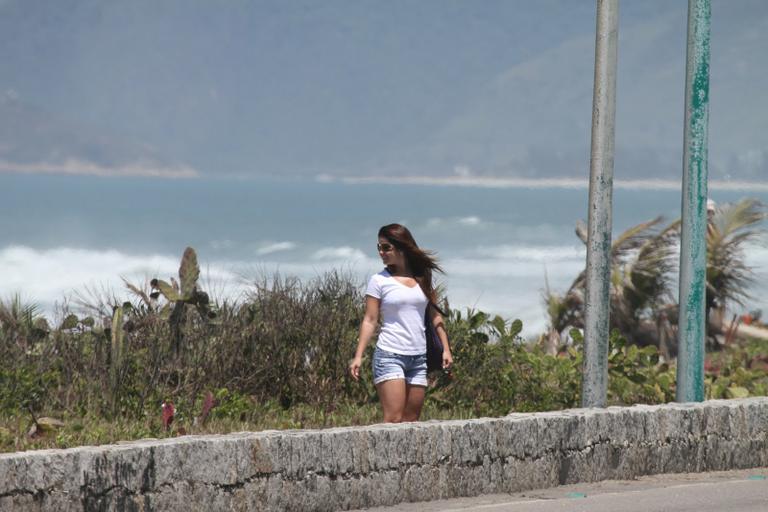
<point x="278" y="359"/>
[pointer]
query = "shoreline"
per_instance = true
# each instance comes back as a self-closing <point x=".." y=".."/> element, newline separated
<point x="529" y="183"/>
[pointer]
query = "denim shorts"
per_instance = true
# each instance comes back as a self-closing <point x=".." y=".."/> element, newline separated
<point x="388" y="365"/>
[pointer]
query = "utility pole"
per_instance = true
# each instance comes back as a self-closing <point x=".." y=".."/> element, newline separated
<point x="693" y="244"/>
<point x="597" y="304"/>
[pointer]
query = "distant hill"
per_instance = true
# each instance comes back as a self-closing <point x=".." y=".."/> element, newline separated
<point x="302" y="88"/>
<point x="32" y="140"/>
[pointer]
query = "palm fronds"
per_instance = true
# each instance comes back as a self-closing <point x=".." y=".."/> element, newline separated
<point x="731" y="226"/>
<point x="22" y="323"/>
<point x="644" y="259"/>
<point x="15" y="313"/>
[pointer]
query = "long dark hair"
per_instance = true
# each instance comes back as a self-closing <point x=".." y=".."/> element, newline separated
<point x="421" y="262"/>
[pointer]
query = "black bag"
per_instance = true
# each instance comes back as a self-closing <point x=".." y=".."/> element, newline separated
<point x="434" y="345"/>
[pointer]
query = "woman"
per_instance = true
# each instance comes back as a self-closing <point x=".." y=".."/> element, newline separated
<point x="400" y="295"/>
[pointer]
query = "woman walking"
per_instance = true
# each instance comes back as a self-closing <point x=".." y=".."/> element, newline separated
<point x="400" y="295"/>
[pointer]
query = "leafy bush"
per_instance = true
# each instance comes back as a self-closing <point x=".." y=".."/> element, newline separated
<point x="278" y="359"/>
<point x="496" y="372"/>
<point x="738" y="371"/>
<point x="23" y="388"/>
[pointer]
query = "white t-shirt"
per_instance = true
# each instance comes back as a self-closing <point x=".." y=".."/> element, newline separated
<point x="402" y="314"/>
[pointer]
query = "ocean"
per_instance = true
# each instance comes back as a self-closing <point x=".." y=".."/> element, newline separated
<point x="498" y="245"/>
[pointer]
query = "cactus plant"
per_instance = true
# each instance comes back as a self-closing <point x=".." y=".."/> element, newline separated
<point x="189" y="272"/>
<point x="117" y="336"/>
<point x="182" y="293"/>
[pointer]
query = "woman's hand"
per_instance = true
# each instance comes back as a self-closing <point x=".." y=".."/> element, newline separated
<point x="354" y="368"/>
<point x="447" y="359"/>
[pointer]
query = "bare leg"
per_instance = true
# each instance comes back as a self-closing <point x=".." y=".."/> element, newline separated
<point x="414" y="399"/>
<point x="392" y="397"/>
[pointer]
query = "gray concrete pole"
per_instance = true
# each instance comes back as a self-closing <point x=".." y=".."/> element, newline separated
<point x="597" y="304"/>
<point x="693" y="244"/>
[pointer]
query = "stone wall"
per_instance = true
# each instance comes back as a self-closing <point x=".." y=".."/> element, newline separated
<point x="356" y="467"/>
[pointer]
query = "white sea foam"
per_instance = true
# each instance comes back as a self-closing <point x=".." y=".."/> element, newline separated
<point x="48" y="276"/>
<point x="470" y="221"/>
<point x="222" y="245"/>
<point x="275" y="247"/>
<point x="534" y="253"/>
<point x="345" y="253"/>
<point x="505" y="279"/>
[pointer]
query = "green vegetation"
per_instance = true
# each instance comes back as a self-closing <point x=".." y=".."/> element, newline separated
<point x="166" y="360"/>
<point x="644" y="266"/>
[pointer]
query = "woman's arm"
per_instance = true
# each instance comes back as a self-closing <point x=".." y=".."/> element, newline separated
<point x="367" y="328"/>
<point x="437" y="321"/>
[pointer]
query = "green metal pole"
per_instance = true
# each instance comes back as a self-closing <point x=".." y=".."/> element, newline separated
<point x="693" y="243"/>
<point x="597" y="304"/>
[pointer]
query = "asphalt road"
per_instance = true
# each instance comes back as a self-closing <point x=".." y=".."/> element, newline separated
<point x="728" y="491"/>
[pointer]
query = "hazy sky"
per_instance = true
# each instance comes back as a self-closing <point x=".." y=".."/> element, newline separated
<point x="366" y="88"/>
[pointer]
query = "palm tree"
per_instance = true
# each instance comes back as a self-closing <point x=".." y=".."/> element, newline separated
<point x="731" y="226"/>
<point x="643" y="266"/>
<point x="21" y="324"/>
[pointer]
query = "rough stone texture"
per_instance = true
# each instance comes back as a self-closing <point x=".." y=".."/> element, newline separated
<point x="356" y="467"/>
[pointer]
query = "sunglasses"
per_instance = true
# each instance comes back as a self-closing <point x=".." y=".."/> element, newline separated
<point x="384" y="247"/>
